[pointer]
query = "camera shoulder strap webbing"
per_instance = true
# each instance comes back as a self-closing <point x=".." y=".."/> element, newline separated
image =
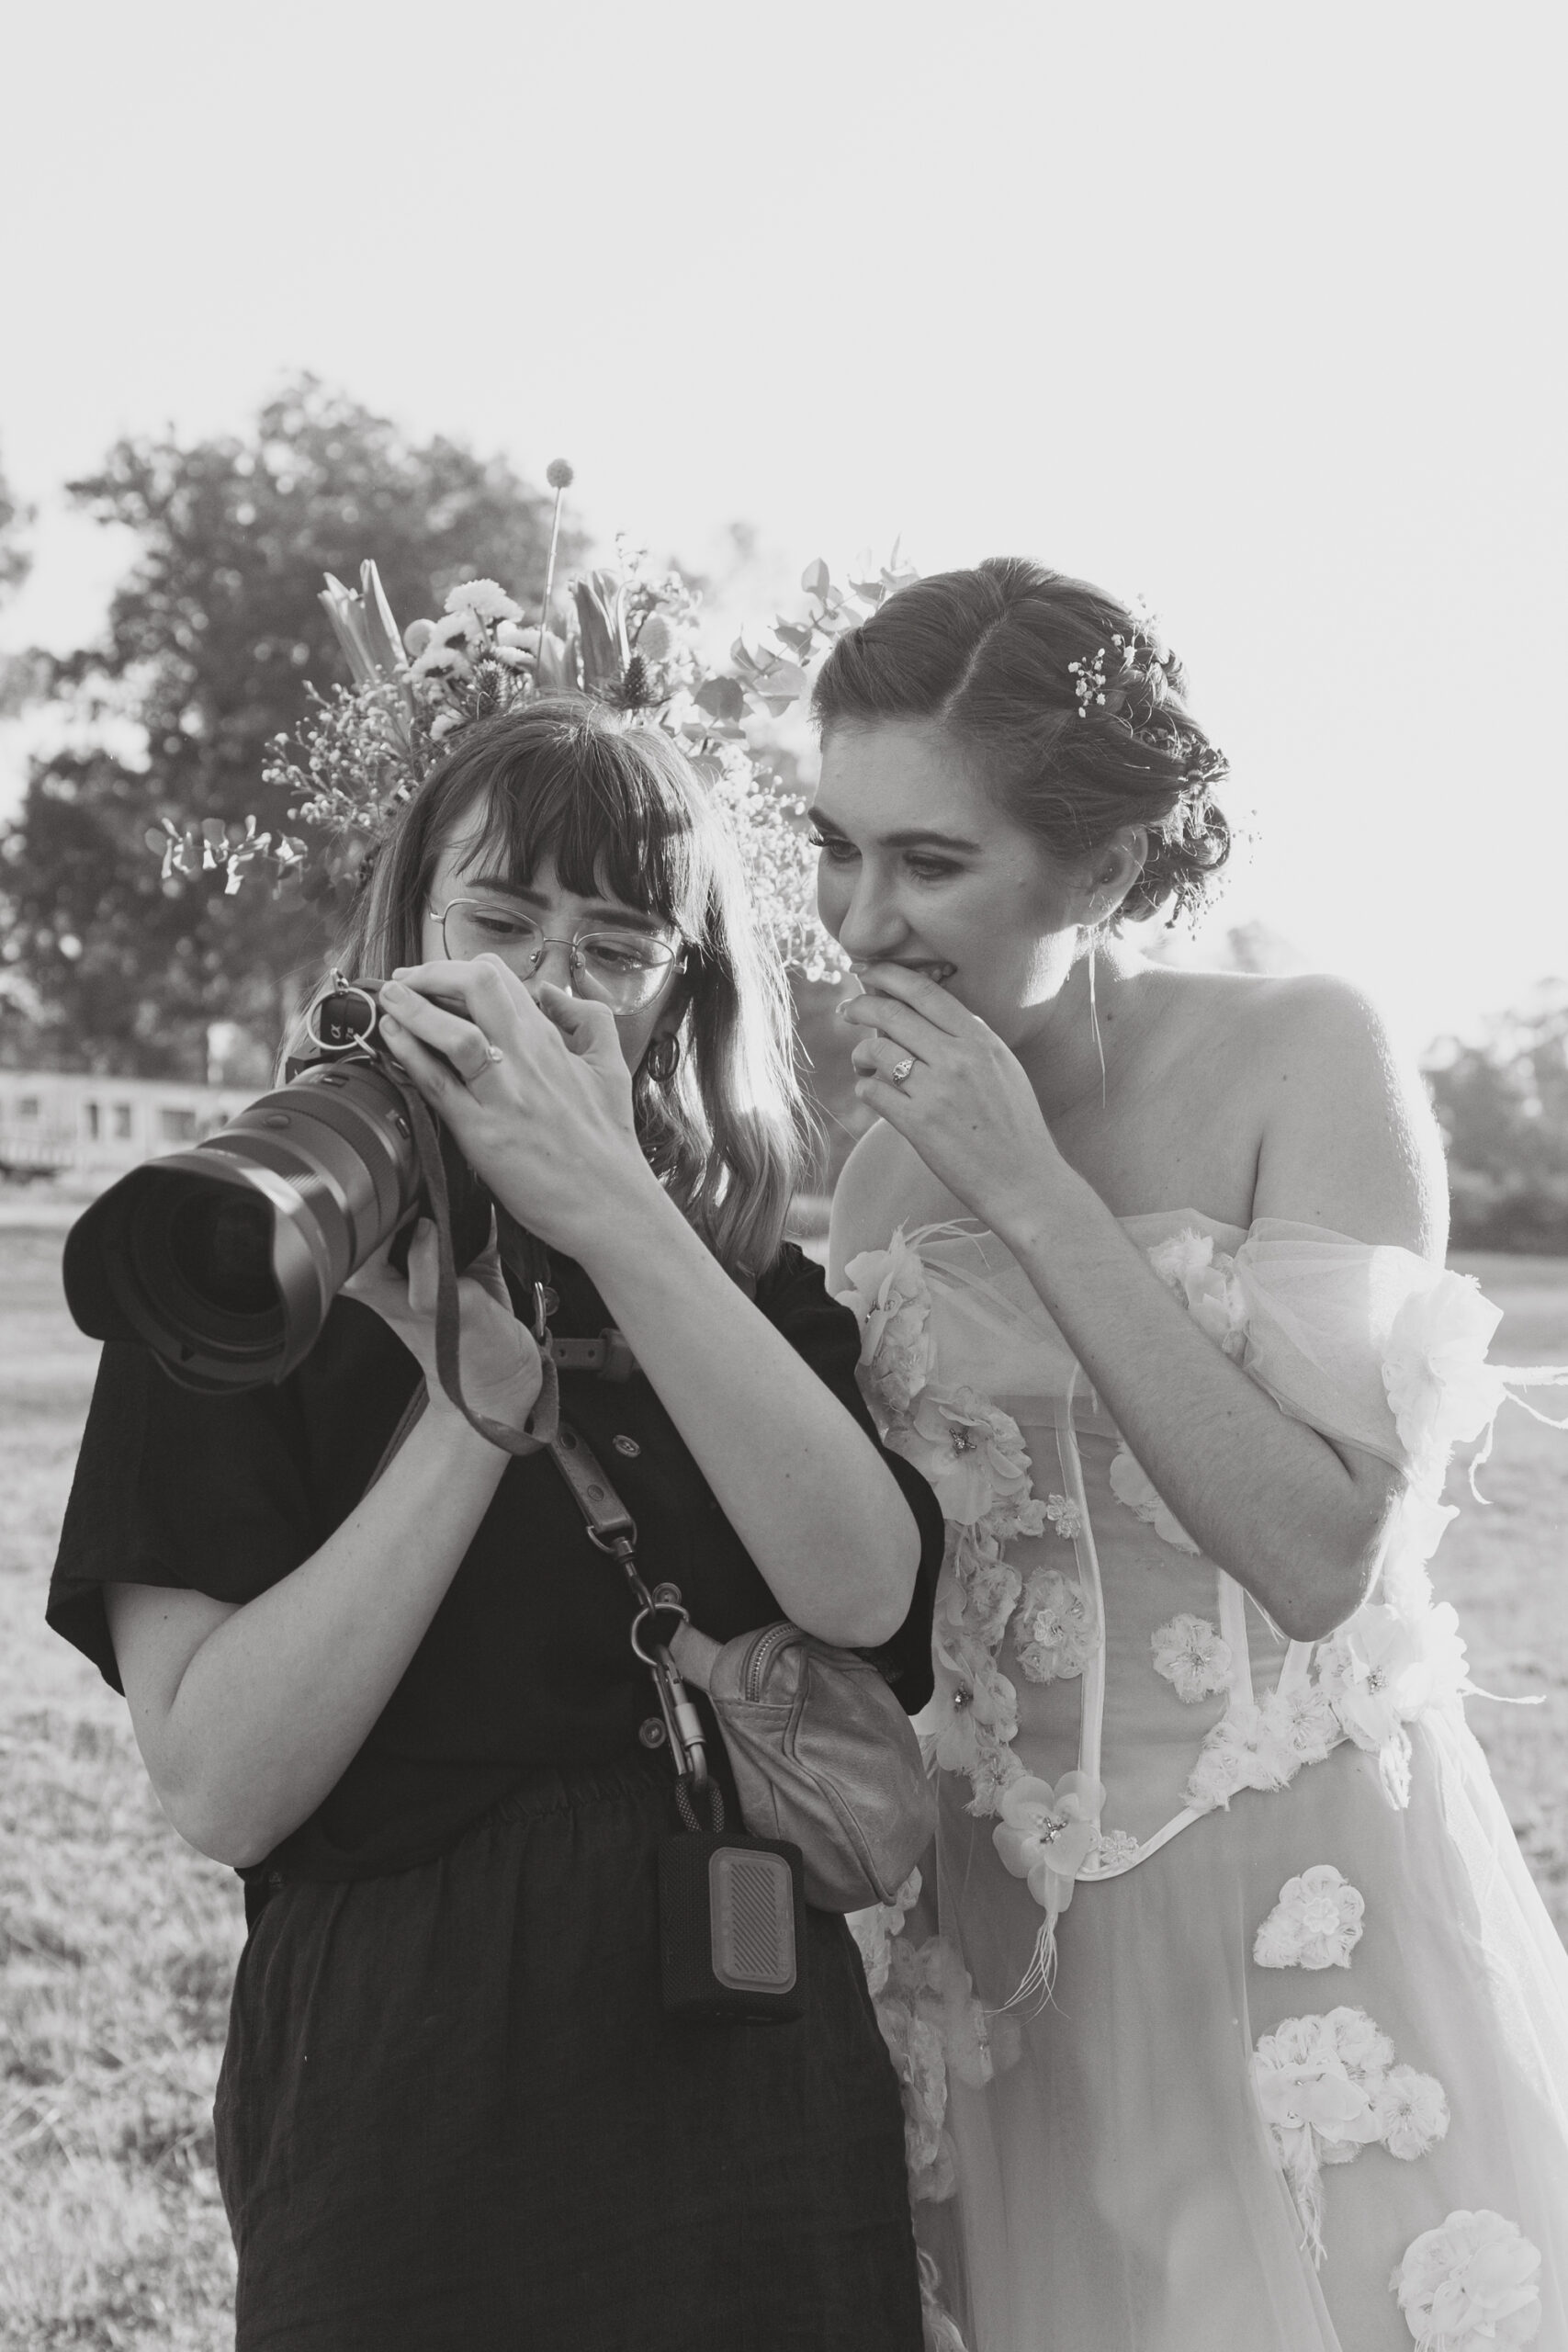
<point x="541" y="1423"/>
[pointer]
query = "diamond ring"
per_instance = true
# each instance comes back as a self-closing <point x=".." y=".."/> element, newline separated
<point x="900" y="1069"/>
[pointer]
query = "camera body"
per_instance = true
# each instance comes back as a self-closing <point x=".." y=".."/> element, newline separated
<point x="225" y="1258"/>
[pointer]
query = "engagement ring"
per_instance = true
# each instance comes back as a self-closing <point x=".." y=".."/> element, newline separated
<point x="900" y="1069"/>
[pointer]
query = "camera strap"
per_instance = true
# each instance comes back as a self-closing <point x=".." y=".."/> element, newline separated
<point x="731" y="1907"/>
<point x="732" y="1933"/>
<point x="613" y="1530"/>
<point x="527" y="1259"/>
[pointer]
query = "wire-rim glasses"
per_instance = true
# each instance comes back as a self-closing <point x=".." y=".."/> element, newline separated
<point x="624" y="969"/>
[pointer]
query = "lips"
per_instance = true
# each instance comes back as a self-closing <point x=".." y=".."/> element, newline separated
<point x="936" y="970"/>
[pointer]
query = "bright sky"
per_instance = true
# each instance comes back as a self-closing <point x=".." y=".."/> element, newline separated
<point x="1257" y="310"/>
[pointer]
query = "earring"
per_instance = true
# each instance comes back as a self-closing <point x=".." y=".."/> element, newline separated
<point x="662" y="1059"/>
<point x="1094" y="1023"/>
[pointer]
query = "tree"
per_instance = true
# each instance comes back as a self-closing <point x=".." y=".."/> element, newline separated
<point x="15" y="559"/>
<point x="1502" y="1106"/>
<point x="210" y="640"/>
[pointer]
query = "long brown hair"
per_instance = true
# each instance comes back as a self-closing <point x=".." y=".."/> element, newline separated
<point x="617" y="807"/>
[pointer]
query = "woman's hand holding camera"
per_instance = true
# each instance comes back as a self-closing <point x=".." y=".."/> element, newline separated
<point x="537" y="1095"/>
<point x="500" y="1368"/>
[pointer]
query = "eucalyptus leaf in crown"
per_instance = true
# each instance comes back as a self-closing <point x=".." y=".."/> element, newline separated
<point x="628" y="636"/>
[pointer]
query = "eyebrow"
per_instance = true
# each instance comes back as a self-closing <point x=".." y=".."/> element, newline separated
<point x="915" y="837"/>
<point x="627" y="918"/>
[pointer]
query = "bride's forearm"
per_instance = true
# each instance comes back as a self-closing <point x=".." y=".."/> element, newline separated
<point x="1265" y="1496"/>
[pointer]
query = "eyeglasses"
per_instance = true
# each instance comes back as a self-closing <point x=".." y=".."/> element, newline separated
<point x="623" y="968"/>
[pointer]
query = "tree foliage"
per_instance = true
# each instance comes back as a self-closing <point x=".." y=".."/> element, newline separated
<point x="210" y="638"/>
<point x="1502" y="1101"/>
<point x="15" y="558"/>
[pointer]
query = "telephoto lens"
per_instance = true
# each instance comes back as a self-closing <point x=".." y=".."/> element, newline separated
<point x="224" y="1260"/>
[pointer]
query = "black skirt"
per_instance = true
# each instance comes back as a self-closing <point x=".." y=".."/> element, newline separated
<point x="452" y="2116"/>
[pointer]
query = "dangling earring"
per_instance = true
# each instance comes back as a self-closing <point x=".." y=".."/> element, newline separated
<point x="662" y="1059"/>
<point x="1094" y="1022"/>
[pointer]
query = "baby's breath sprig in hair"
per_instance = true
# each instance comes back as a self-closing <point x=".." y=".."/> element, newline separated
<point x="1089" y="679"/>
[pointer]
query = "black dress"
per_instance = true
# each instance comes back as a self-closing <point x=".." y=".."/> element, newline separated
<point x="453" y="2114"/>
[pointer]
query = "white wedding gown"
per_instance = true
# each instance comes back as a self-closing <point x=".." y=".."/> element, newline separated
<point x="1299" y="2081"/>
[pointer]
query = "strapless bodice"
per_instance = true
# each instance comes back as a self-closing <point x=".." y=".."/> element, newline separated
<point x="1081" y="1636"/>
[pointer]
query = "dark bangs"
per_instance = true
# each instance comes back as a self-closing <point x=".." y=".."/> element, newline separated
<point x="609" y="804"/>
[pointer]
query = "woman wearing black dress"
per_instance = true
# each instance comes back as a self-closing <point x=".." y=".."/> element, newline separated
<point x="453" y="2113"/>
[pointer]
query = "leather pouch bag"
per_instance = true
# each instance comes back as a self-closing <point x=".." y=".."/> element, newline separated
<point x="824" y="1757"/>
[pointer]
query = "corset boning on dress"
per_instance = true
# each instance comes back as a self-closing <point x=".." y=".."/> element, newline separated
<point x="1118" y="1720"/>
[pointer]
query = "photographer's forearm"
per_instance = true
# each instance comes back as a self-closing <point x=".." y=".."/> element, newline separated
<point x="804" y="1490"/>
<point x="247" y="1723"/>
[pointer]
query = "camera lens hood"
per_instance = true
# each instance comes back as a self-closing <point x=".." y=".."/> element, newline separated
<point x="225" y="1258"/>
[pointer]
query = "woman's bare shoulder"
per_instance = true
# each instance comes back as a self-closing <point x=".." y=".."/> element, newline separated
<point x="1348" y="1138"/>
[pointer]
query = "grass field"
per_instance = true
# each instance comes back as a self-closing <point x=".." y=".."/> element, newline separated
<point x="118" y="1942"/>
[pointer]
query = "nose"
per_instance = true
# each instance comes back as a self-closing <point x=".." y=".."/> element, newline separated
<point x="553" y="968"/>
<point x="871" y="926"/>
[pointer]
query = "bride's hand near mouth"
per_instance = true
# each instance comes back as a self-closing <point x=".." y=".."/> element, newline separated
<point x="965" y="1104"/>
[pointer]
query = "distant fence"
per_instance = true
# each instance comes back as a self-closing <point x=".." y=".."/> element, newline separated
<point x="80" y="1131"/>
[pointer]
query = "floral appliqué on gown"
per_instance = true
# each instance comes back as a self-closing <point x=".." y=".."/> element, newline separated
<point x="1164" y="1828"/>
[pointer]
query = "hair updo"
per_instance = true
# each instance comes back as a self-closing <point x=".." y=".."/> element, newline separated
<point x="1069" y="708"/>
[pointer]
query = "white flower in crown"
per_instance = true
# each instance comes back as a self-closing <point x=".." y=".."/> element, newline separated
<point x="440" y="660"/>
<point x="1207" y="1286"/>
<point x="1130" y="1485"/>
<point x="1439" y="1383"/>
<point x="891" y="1300"/>
<point x="1192" y="1657"/>
<point x="1055" y="1633"/>
<point x="486" y="599"/>
<point x="1045" y="1835"/>
<point x="1470" y="2285"/>
<point x="970" y="1454"/>
<point x="1316" y="1922"/>
<point x="1412" y="2111"/>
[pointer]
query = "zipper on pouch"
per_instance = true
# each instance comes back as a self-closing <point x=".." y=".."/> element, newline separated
<point x="760" y="1656"/>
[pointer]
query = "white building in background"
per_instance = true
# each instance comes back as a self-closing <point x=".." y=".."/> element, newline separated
<point x="80" y="1131"/>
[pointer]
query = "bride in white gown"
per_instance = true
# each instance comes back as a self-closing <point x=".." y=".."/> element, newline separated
<point x="1269" y="2052"/>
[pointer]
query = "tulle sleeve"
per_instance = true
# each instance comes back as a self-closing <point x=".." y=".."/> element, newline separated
<point x="1374" y="1346"/>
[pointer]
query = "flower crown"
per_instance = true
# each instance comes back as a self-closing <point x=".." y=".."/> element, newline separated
<point x="628" y="639"/>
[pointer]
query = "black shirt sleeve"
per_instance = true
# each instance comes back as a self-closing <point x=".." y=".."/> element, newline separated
<point x="220" y="1494"/>
<point x="794" y="1296"/>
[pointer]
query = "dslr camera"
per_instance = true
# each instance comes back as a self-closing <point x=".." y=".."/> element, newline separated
<point x="224" y="1260"/>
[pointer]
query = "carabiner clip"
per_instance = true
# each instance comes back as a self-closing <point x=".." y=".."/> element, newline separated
<point x="683" y="1725"/>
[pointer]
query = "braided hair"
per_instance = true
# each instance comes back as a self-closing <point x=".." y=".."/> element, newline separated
<point x="1071" y="709"/>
